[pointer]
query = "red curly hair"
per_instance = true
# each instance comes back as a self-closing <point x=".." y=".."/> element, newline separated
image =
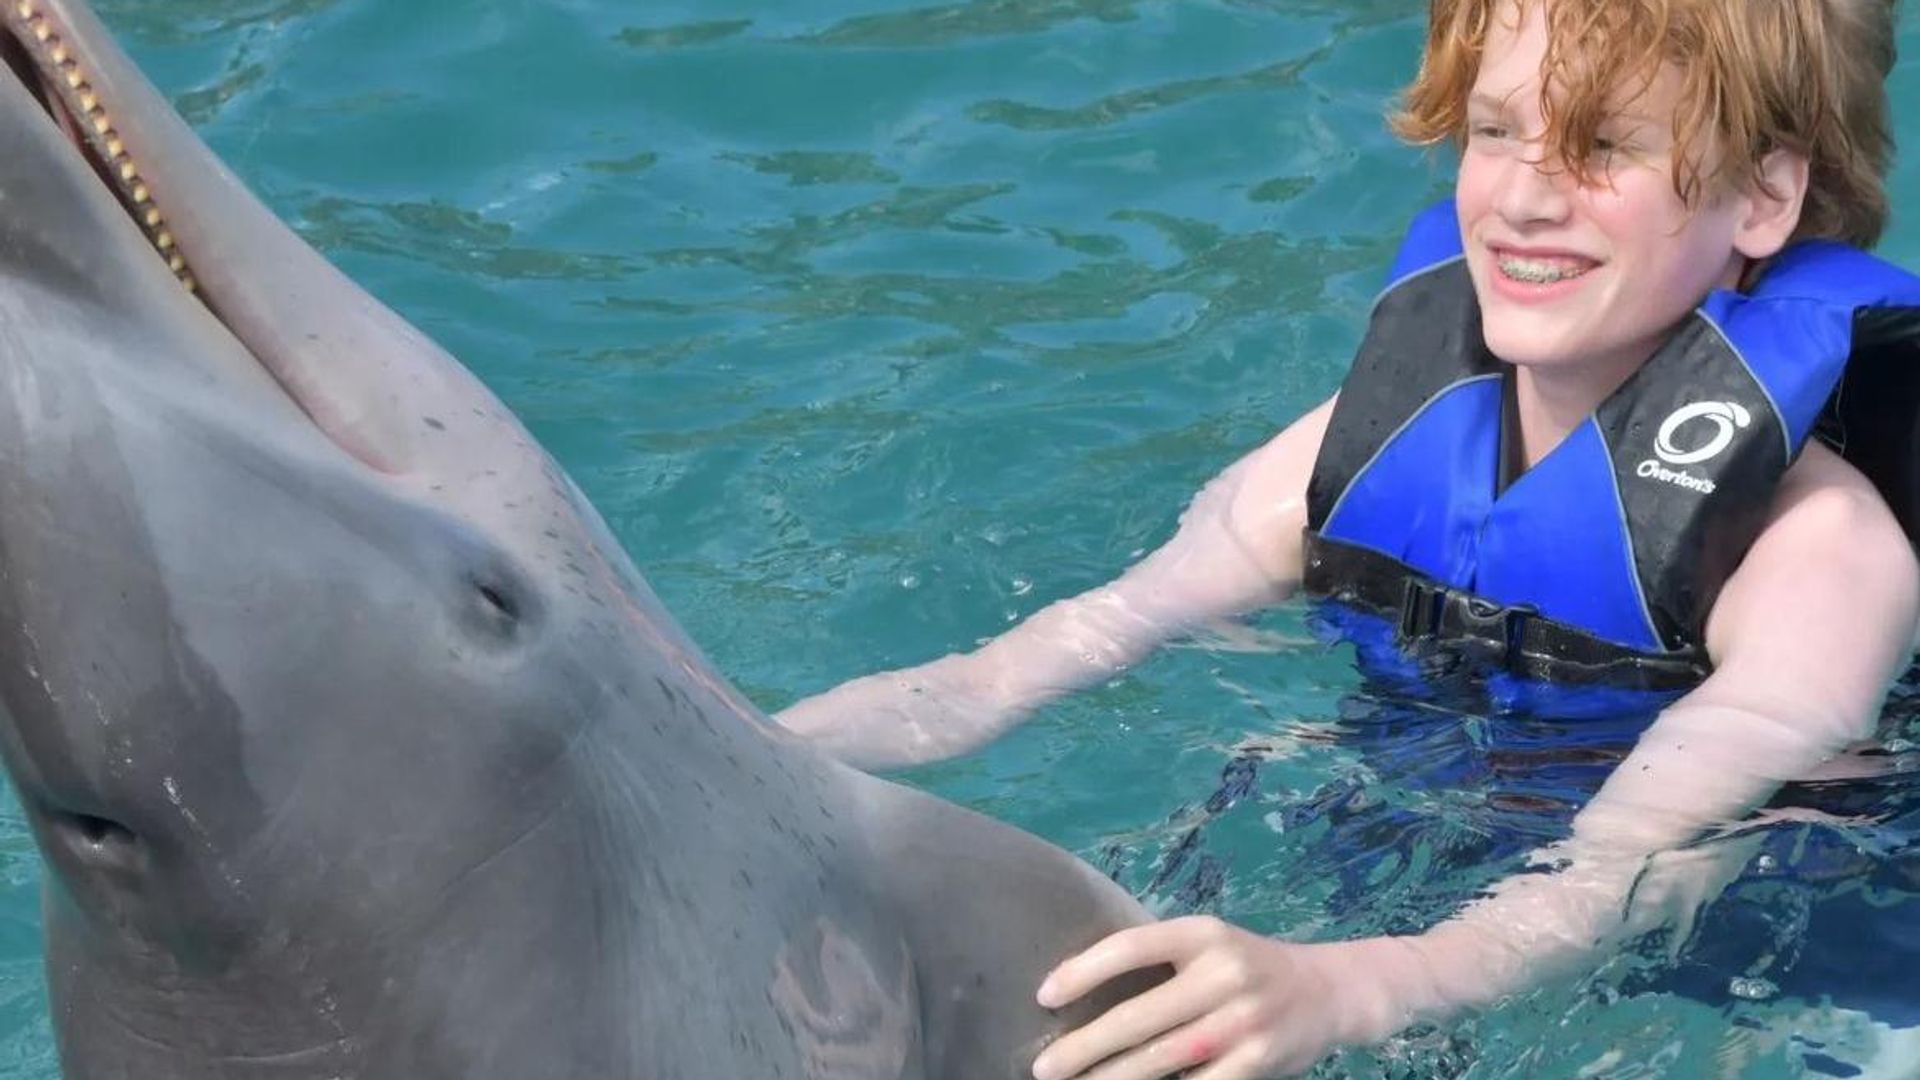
<point x="1807" y="76"/>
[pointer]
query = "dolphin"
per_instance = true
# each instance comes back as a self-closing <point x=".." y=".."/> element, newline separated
<point x="353" y="743"/>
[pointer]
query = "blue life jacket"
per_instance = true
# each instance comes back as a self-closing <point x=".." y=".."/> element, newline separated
<point x="1603" y="560"/>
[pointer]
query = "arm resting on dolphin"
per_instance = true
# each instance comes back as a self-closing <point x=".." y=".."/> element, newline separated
<point x="1237" y="549"/>
<point x="1807" y="636"/>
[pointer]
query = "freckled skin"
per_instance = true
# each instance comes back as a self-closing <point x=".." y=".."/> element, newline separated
<point x="355" y="746"/>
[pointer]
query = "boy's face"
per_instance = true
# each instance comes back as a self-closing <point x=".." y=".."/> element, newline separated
<point x="1572" y="276"/>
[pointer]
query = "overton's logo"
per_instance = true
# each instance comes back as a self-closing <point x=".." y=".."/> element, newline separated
<point x="1725" y="416"/>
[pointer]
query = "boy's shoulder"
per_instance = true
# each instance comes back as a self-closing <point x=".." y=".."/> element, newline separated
<point x="1832" y="573"/>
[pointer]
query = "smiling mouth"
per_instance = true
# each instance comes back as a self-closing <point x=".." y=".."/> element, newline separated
<point x="45" y="61"/>
<point x="1541" y="270"/>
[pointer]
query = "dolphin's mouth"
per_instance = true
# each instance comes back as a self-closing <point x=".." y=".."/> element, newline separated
<point x="304" y="324"/>
<point x="44" y="59"/>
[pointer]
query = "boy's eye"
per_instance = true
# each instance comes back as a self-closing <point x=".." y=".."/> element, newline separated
<point x="1605" y="150"/>
<point x="1487" y="131"/>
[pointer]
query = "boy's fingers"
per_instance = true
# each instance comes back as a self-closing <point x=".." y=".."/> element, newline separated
<point x="1131" y="1024"/>
<point x="1189" y="1047"/>
<point x="1170" y="942"/>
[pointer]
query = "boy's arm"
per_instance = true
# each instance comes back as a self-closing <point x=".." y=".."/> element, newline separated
<point x="1238" y="548"/>
<point x="1807" y="635"/>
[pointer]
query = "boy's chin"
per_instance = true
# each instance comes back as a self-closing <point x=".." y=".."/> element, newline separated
<point x="1561" y="350"/>
<point x="1536" y="351"/>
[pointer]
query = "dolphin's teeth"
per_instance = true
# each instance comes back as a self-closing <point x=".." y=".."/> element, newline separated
<point x="86" y="109"/>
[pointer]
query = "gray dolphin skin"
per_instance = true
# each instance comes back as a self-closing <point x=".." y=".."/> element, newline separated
<point x="355" y="746"/>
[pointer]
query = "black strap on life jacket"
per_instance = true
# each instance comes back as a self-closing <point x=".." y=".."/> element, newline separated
<point x="1438" y="621"/>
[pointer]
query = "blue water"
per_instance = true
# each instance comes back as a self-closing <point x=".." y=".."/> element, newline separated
<point x="874" y="325"/>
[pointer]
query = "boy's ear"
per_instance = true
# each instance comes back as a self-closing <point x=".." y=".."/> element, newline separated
<point x="1773" y="205"/>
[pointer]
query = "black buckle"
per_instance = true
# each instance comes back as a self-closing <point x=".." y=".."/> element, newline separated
<point x="1420" y="607"/>
<point x="1433" y="613"/>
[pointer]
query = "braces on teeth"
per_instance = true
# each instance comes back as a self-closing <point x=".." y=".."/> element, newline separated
<point x="1538" y="273"/>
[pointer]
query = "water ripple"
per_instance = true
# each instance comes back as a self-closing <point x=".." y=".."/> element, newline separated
<point x="1118" y="107"/>
<point x="173" y="22"/>
<point x="449" y="237"/>
<point x="817" y="167"/>
<point x="948" y="23"/>
<point x="683" y="35"/>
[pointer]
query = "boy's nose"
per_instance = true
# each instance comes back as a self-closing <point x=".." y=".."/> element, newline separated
<point x="1533" y="190"/>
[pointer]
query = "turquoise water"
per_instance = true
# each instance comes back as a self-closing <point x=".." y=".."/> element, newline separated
<point x="872" y="327"/>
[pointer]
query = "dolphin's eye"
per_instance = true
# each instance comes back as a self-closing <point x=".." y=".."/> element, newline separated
<point x="498" y="600"/>
<point x="488" y="594"/>
<point x="497" y="604"/>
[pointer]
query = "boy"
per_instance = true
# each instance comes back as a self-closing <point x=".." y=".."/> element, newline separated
<point x="1574" y="447"/>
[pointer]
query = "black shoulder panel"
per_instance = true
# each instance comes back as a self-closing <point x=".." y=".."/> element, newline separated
<point x="1692" y="510"/>
<point x="1424" y="336"/>
<point x="1873" y="418"/>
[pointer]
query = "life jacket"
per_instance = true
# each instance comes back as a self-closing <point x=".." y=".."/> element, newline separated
<point x="1603" y="560"/>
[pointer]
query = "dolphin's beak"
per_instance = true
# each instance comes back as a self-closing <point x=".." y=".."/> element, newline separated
<point x="360" y="372"/>
<point x="44" y="63"/>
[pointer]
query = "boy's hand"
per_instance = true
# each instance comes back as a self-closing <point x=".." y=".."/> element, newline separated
<point x="1239" y="1007"/>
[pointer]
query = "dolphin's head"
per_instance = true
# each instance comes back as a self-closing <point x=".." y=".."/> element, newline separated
<point x="300" y="633"/>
